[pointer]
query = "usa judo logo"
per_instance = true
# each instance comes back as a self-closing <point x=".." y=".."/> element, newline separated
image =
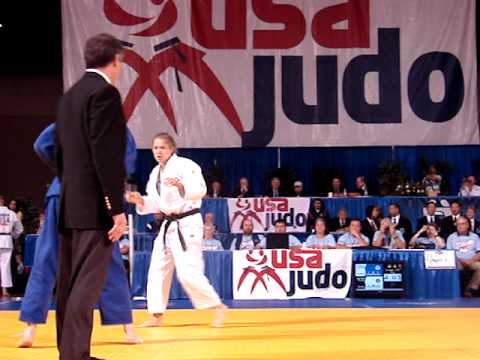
<point x="291" y="274"/>
<point x="171" y="53"/>
<point x="260" y="272"/>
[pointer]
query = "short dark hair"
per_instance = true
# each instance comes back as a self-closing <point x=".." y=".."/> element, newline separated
<point x="356" y="219"/>
<point x="324" y="221"/>
<point x="100" y="50"/>
<point x="280" y="221"/>
<point x="456" y="202"/>
<point x="395" y="205"/>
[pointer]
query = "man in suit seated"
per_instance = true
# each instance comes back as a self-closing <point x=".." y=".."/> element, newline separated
<point x="400" y="222"/>
<point x="430" y="217"/>
<point x="371" y="223"/>
<point x="471" y="215"/>
<point x="274" y="190"/>
<point x="449" y="223"/>
<point x="354" y="236"/>
<point x="341" y="222"/>
<point x="336" y="188"/>
<point x="360" y="187"/>
<point x="244" y="190"/>
<point x="281" y="228"/>
<point x="215" y="191"/>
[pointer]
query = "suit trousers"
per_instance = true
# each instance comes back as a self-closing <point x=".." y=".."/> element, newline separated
<point x="83" y="263"/>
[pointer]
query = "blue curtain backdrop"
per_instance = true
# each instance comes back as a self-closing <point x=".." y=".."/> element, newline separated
<point x="256" y="164"/>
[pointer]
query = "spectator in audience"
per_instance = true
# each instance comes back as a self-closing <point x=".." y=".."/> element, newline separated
<point x="298" y="189"/>
<point x="341" y="222"/>
<point x="400" y="222"/>
<point x="275" y="190"/>
<point x="244" y="190"/>
<point x="10" y="228"/>
<point x="315" y="212"/>
<point x="430" y="238"/>
<point x="336" y="189"/>
<point x="371" y="223"/>
<point x="215" y="191"/>
<point x="13" y="206"/>
<point x="41" y="222"/>
<point x="430" y="217"/>
<point x="354" y="237"/>
<point x="247" y="240"/>
<point x="471" y="215"/>
<point x="360" y="187"/>
<point x="467" y="247"/>
<point x="209" y="242"/>
<point x="281" y="228"/>
<point x="432" y="181"/>
<point x="449" y="223"/>
<point x="155" y="225"/>
<point x="388" y="236"/>
<point x="469" y="187"/>
<point x="321" y="239"/>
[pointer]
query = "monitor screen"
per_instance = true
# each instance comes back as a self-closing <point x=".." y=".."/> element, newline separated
<point x="379" y="279"/>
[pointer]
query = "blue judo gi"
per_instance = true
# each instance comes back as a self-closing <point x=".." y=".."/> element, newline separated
<point x="114" y="303"/>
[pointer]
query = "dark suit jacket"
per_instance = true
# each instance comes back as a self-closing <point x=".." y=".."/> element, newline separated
<point x="90" y="149"/>
<point x="423" y="221"/>
<point x="269" y="193"/>
<point x="248" y="194"/>
<point x="405" y="227"/>
<point x="368" y="230"/>
<point x="476" y="226"/>
<point x="448" y="227"/>
<point x="335" y="224"/>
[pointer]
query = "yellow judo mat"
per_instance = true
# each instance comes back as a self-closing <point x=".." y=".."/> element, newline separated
<point x="385" y="334"/>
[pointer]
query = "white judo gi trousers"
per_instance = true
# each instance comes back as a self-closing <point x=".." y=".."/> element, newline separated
<point x="5" y="269"/>
<point x="188" y="264"/>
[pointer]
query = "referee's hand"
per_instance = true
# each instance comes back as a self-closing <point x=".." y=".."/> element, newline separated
<point x="119" y="227"/>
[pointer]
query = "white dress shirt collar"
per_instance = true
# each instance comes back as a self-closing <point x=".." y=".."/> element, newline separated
<point x="102" y="74"/>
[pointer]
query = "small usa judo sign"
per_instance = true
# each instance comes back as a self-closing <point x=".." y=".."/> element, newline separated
<point x="291" y="274"/>
<point x="263" y="212"/>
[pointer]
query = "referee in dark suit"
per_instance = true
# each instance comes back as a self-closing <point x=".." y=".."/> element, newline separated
<point x="90" y="146"/>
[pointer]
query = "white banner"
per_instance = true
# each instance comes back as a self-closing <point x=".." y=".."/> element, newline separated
<point x="291" y="274"/>
<point x="218" y="73"/>
<point x="263" y="212"/>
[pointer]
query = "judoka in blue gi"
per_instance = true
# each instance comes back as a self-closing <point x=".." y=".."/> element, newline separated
<point x="114" y="304"/>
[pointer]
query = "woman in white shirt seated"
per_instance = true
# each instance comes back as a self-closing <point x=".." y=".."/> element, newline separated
<point x="321" y="239"/>
<point x="427" y="238"/>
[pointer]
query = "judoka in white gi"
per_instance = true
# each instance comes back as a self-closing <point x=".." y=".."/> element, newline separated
<point x="175" y="188"/>
<point x="10" y="228"/>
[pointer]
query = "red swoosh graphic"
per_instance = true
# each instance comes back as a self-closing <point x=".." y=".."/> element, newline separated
<point x="114" y="12"/>
<point x="164" y="22"/>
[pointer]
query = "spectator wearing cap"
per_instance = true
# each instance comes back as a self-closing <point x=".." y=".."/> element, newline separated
<point x="430" y="216"/>
<point x="298" y="189"/>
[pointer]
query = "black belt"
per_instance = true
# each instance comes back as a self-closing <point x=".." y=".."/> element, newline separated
<point x="169" y="219"/>
<point x="5" y="234"/>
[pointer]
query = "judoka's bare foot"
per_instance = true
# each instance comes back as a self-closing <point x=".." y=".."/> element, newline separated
<point x="155" y="321"/>
<point x="28" y="336"/>
<point x="219" y="315"/>
<point x="131" y="337"/>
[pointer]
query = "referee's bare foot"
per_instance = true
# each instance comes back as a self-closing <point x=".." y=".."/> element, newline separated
<point x="131" y="337"/>
<point x="155" y="321"/>
<point x="28" y="336"/>
<point x="219" y="315"/>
